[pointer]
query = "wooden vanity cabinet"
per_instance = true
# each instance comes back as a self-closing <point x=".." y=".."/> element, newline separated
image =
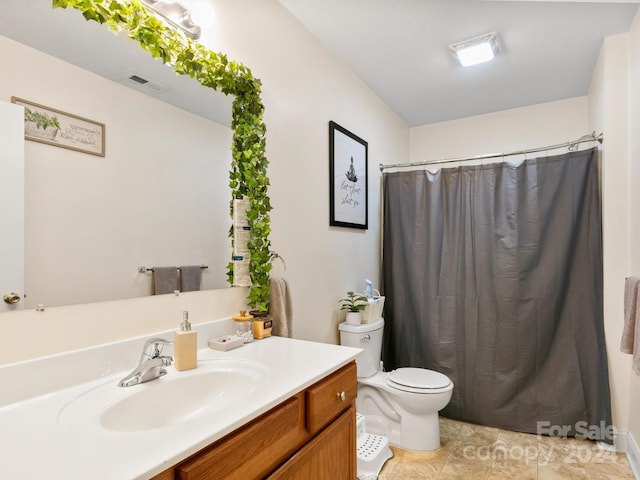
<point x="311" y="435"/>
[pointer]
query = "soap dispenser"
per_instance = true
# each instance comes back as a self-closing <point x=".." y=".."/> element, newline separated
<point x="185" y="343"/>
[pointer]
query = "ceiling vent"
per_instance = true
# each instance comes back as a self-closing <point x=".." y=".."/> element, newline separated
<point x="137" y="79"/>
<point x="147" y="84"/>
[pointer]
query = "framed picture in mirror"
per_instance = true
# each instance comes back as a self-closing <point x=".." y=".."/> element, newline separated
<point x="55" y="127"/>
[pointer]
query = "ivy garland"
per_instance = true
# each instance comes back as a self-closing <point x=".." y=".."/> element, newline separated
<point x="248" y="175"/>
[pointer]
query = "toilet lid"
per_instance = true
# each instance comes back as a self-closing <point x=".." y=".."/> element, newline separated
<point x="418" y="378"/>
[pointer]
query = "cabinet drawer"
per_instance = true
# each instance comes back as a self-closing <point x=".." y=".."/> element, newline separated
<point x="253" y="451"/>
<point x="330" y="397"/>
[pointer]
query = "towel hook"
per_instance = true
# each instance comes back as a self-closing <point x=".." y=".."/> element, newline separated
<point x="275" y="256"/>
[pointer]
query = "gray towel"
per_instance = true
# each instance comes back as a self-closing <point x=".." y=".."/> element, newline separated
<point x="165" y="280"/>
<point x="630" y="342"/>
<point x="190" y="277"/>
<point x="280" y="307"/>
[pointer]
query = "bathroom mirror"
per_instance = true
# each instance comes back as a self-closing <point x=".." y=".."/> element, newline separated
<point x="160" y="196"/>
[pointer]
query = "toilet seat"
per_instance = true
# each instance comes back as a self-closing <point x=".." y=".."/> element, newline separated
<point x="418" y="380"/>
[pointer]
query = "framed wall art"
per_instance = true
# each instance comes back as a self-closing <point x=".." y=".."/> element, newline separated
<point x="54" y="127"/>
<point x="348" y="179"/>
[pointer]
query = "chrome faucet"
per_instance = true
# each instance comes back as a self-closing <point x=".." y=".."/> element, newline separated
<point x="151" y="363"/>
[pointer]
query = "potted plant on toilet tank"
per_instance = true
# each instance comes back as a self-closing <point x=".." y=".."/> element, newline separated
<point x="354" y="304"/>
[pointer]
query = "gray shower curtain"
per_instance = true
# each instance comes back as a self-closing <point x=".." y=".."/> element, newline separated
<point x="493" y="276"/>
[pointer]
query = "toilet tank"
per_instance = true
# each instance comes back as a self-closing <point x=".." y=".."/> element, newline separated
<point x="367" y="336"/>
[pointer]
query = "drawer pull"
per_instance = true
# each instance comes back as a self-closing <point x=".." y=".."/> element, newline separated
<point x="341" y="396"/>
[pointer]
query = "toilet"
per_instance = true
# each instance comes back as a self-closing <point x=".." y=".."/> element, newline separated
<point x="403" y="404"/>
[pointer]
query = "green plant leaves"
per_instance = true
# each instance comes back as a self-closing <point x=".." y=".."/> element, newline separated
<point x="355" y="302"/>
<point x="248" y="174"/>
<point x="42" y="120"/>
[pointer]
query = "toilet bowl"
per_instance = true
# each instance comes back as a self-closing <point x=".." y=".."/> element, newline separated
<point x="403" y="404"/>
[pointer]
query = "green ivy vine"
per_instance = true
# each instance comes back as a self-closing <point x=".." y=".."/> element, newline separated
<point x="248" y="175"/>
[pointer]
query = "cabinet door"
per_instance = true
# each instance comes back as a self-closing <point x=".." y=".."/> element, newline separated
<point x="329" y="456"/>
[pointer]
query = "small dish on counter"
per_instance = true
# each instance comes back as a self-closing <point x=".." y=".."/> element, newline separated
<point x="226" y="342"/>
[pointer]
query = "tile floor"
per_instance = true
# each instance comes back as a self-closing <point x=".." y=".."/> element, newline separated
<point x="471" y="452"/>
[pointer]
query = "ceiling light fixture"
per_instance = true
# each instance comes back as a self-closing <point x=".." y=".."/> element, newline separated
<point x="176" y="15"/>
<point x="476" y="50"/>
<point x="202" y="13"/>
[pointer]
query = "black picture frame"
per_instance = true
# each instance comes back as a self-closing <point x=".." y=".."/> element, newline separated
<point x="348" y="179"/>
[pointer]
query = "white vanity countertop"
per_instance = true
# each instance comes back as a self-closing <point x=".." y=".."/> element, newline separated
<point x="35" y="443"/>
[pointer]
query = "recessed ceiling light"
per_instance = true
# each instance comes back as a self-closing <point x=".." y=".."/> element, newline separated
<point x="476" y="50"/>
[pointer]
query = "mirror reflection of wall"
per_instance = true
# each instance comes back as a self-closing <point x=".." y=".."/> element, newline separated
<point x="158" y="197"/>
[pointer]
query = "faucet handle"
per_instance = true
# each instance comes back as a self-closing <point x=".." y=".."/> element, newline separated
<point x="153" y="347"/>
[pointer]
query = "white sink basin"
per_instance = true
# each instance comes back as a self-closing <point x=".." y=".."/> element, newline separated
<point x="174" y="398"/>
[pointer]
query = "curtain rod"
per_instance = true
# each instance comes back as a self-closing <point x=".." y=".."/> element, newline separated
<point x="592" y="137"/>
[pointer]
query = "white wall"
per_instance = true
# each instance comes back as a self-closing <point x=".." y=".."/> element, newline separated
<point x="615" y="109"/>
<point x="159" y="197"/>
<point x="634" y="199"/>
<point x="30" y="334"/>
<point x="304" y="87"/>
<point x="608" y="102"/>
<point x="506" y="131"/>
